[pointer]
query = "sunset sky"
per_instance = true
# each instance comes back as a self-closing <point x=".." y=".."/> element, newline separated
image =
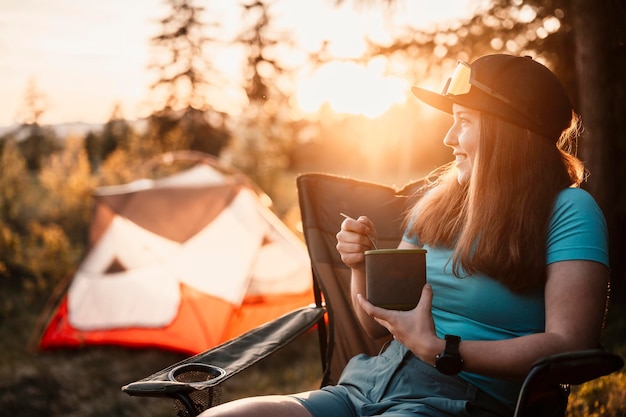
<point x="85" y="56"/>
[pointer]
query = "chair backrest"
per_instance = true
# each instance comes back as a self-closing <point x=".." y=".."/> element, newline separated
<point x="322" y="197"/>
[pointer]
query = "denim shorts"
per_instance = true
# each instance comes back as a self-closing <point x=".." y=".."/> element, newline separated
<point x="396" y="383"/>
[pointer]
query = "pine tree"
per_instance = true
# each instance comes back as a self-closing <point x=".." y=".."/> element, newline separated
<point x="265" y="136"/>
<point x="185" y="78"/>
<point x="35" y="141"/>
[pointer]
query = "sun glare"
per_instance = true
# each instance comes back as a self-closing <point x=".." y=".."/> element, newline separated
<point x="350" y="88"/>
<point x="62" y="63"/>
<point x="365" y="89"/>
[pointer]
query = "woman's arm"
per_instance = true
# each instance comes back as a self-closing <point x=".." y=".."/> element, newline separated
<point x="575" y="298"/>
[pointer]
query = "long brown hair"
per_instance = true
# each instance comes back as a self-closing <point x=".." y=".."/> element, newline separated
<point x="497" y="223"/>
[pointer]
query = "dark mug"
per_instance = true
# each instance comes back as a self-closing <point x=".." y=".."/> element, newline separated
<point x="394" y="277"/>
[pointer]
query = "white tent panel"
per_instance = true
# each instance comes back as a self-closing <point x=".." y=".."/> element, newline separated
<point x="145" y="297"/>
<point x="132" y="245"/>
<point x="278" y="271"/>
<point x="219" y="259"/>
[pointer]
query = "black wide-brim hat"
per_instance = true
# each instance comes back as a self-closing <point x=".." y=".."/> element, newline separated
<point x="517" y="89"/>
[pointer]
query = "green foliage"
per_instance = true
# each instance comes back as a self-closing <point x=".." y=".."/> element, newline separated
<point x="17" y="202"/>
<point x="66" y="185"/>
<point x="46" y="253"/>
<point x="603" y="397"/>
<point x="260" y="148"/>
<point x="14" y="183"/>
<point x="43" y="217"/>
<point x="38" y="143"/>
<point x="116" y="134"/>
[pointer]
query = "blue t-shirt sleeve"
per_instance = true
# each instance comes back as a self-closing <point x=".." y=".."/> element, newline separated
<point x="577" y="229"/>
<point x="408" y="236"/>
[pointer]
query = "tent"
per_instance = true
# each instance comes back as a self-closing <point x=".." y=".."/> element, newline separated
<point x="184" y="262"/>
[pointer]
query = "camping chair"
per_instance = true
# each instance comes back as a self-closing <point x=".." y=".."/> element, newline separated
<point x="194" y="382"/>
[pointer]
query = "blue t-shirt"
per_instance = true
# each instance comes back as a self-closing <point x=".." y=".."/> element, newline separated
<point x="480" y="308"/>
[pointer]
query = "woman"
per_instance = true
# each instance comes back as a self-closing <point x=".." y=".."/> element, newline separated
<point x="517" y="260"/>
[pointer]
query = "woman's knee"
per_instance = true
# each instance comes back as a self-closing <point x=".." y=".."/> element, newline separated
<point x="270" y="406"/>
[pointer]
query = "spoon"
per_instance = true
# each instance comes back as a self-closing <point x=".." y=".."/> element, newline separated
<point x="368" y="236"/>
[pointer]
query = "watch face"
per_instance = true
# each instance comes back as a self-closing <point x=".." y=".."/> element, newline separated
<point x="449" y="364"/>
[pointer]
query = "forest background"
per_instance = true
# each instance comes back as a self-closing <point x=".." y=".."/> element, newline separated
<point x="47" y="180"/>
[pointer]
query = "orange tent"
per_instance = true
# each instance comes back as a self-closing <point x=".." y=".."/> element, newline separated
<point x="184" y="262"/>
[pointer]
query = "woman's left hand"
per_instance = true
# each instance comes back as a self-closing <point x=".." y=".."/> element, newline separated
<point x="415" y="328"/>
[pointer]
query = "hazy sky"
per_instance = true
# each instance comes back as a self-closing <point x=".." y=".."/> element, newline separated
<point x="85" y="56"/>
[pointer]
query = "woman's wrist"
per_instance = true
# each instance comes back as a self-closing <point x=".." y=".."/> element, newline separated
<point x="429" y="350"/>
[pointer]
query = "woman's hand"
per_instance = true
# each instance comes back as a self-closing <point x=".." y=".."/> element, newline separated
<point x="415" y="328"/>
<point x="354" y="239"/>
<point x="352" y="242"/>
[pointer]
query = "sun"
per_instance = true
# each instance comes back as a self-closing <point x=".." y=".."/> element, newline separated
<point x="348" y="87"/>
<point x="351" y="88"/>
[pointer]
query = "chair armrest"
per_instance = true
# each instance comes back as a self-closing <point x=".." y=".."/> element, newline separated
<point x="577" y="367"/>
<point x="543" y="386"/>
<point x="231" y="357"/>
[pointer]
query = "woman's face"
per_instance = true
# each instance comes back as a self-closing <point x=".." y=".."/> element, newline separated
<point x="463" y="138"/>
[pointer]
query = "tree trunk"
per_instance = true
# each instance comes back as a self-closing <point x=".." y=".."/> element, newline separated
<point x="600" y="70"/>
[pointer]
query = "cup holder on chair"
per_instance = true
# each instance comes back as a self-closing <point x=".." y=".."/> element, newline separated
<point x="196" y="372"/>
<point x="204" y="379"/>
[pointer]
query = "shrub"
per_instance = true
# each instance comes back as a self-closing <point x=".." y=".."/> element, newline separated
<point x="603" y="397"/>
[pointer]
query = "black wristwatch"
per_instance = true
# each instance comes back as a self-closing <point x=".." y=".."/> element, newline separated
<point x="450" y="362"/>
